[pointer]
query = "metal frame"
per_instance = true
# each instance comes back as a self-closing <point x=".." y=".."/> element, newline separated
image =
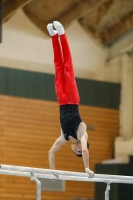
<point x="35" y="173"/>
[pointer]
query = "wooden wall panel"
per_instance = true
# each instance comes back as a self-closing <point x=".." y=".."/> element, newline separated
<point x="28" y="128"/>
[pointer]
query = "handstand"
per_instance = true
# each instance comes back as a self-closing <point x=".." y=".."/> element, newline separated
<point x="72" y="126"/>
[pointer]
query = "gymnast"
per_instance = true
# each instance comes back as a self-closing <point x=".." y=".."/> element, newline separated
<point x="72" y="126"/>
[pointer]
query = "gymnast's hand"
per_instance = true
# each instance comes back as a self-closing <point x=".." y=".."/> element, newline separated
<point x="91" y="173"/>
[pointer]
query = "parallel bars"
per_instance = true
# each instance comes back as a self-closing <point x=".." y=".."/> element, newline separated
<point x="35" y="173"/>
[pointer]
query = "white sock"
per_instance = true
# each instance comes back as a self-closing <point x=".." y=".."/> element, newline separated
<point x="51" y="31"/>
<point x="58" y="26"/>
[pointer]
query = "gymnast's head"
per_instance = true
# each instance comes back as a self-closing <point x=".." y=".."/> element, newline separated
<point x="76" y="147"/>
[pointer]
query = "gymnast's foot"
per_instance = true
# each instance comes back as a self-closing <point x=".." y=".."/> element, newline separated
<point x="51" y="31"/>
<point x="58" y="26"/>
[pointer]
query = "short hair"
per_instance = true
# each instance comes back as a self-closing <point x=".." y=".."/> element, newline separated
<point x="80" y="155"/>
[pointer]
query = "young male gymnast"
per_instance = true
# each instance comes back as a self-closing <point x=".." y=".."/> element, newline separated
<point x="72" y="126"/>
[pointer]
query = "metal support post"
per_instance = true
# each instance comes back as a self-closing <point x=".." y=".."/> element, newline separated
<point x="107" y="191"/>
<point x="38" y="186"/>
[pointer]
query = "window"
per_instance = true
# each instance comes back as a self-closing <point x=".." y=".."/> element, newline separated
<point x="49" y="185"/>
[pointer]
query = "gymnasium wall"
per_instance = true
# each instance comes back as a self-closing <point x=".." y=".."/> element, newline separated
<point x="29" y="124"/>
<point x="25" y="47"/>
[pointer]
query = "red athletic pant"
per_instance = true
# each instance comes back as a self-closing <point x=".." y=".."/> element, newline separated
<point x="65" y="84"/>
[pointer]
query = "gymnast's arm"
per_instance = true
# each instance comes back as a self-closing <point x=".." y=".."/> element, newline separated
<point x="56" y="146"/>
<point x="85" y="155"/>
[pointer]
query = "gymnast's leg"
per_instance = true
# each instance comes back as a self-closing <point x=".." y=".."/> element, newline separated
<point x="59" y="68"/>
<point x="70" y="83"/>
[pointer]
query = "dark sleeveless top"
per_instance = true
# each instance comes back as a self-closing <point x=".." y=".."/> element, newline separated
<point x="70" y="120"/>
